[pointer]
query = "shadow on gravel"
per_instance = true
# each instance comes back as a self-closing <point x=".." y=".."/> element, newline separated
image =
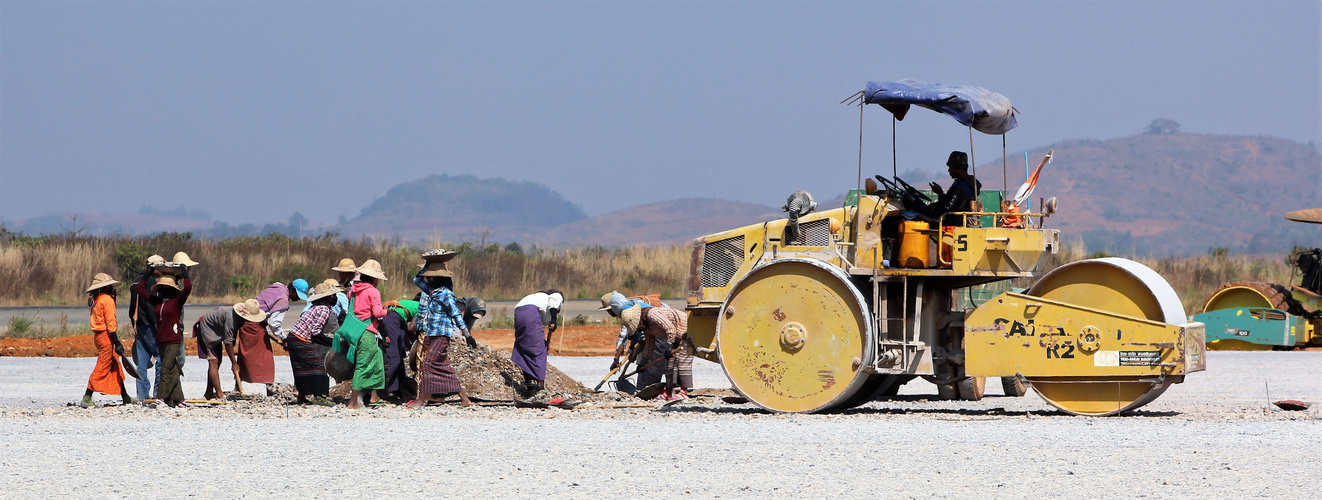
<point x="963" y="412"/>
<point x="721" y="410"/>
<point x="991" y="412"/>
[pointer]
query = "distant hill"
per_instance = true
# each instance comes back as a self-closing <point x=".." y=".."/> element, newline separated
<point x="468" y="208"/>
<point x="1181" y="194"/>
<point x="666" y="222"/>
<point x="107" y="223"/>
<point x="1157" y="194"/>
<point x="464" y="207"/>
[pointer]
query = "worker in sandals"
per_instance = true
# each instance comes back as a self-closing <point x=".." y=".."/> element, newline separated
<point x="663" y="325"/>
<point x="615" y="303"/>
<point x="146" y="353"/>
<point x="167" y="298"/>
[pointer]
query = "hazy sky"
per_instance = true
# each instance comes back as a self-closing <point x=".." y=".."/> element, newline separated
<point x="252" y="110"/>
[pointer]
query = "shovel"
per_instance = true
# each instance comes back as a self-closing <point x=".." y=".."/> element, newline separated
<point x="608" y="377"/>
<point x="625" y="386"/>
<point x="651" y="391"/>
<point x="238" y="385"/>
<point x="622" y="384"/>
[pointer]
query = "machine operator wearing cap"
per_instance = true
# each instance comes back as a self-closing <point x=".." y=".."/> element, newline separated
<point x="958" y="198"/>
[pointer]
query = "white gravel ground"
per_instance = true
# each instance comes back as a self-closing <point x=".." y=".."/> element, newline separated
<point x="1210" y="437"/>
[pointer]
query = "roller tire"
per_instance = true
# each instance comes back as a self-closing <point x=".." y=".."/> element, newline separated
<point x="972" y="388"/>
<point x="945" y="392"/>
<point x="1013" y="387"/>
<point x="793" y="336"/>
<point x="1277" y="295"/>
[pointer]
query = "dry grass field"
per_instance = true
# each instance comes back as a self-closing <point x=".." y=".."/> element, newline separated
<point x="54" y="270"/>
<point x="1195" y="278"/>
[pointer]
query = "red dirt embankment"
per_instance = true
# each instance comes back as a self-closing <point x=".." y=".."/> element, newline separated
<point x="567" y="341"/>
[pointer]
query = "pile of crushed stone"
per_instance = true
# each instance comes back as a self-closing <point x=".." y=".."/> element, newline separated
<point x="489" y="375"/>
<point x="281" y="393"/>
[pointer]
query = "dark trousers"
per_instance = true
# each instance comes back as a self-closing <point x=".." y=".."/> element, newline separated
<point x="169" y="388"/>
<point x="654" y="373"/>
<point x="393" y="327"/>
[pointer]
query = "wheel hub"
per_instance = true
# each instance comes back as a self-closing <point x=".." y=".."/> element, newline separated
<point x="762" y="336"/>
<point x="793" y="336"/>
<point x="1090" y="339"/>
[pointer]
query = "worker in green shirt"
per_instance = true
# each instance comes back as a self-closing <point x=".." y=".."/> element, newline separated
<point x="396" y="327"/>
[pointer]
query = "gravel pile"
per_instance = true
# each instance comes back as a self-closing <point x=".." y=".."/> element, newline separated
<point x="489" y="374"/>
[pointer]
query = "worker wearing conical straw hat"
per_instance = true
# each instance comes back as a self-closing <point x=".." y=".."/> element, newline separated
<point x="169" y="299"/>
<point x="146" y="353"/>
<point x="614" y="303"/>
<point x="166" y="299"/>
<point x="346" y="275"/>
<point x="256" y="358"/>
<point x="108" y="376"/>
<point x="219" y="328"/>
<point x="439" y="323"/>
<point x="348" y="272"/>
<point x="664" y="323"/>
<point x="341" y="306"/>
<point x="309" y="341"/>
<point x="369" y="375"/>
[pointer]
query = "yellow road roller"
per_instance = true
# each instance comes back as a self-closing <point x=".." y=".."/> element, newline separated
<point x="826" y="310"/>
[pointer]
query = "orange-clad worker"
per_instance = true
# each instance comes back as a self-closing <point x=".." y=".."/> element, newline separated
<point x="1011" y="221"/>
<point x="108" y="376"/>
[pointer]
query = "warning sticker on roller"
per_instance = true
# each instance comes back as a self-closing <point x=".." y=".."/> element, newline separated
<point x="1140" y="358"/>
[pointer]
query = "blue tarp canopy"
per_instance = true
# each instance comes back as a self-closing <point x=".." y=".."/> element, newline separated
<point x="982" y="109"/>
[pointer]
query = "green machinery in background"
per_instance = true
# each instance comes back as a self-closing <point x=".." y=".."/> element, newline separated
<point x="1258" y="316"/>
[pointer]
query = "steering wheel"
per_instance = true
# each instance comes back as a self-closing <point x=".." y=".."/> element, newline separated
<point x="910" y="189"/>
<point x="886" y="183"/>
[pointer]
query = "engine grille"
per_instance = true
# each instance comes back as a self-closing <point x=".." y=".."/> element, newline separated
<point x="720" y="261"/>
<point x="816" y="233"/>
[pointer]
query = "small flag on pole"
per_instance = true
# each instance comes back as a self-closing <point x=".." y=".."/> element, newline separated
<point x="1026" y="190"/>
